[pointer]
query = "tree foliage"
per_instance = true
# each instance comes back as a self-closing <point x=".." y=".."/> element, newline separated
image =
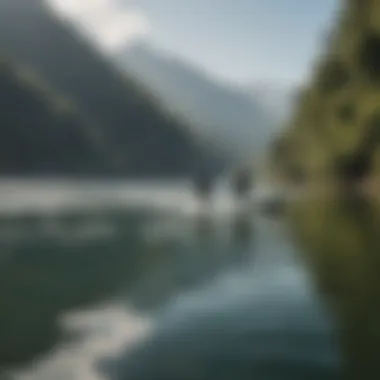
<point x="335" y="128"/>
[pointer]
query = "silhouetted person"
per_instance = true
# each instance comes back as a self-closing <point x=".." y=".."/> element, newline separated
<point x="203" y="184"/>
<point x="242" y="182"/>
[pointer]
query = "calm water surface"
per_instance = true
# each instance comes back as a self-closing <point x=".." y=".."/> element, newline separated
<point x="129" y="281"/>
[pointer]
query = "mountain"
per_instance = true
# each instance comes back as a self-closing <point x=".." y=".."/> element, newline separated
<point x="335" y="131"/>
<point x="41" y="134"/>
<point x="221" y="113"/>
<point x="276" y="100"/>
<point x="146" y="140"/>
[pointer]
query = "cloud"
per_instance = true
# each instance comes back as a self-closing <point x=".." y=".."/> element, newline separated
<point x="106" y="22"/>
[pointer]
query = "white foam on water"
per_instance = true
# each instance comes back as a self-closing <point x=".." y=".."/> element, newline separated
<point x="106" y="331"/>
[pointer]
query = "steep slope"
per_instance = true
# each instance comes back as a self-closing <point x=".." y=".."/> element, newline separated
<point x="147" y="141"/>
<point x="41" y="135"/>
<point x="220" y="113"/>
<point x="276" y="100"/>
<point x="335" y="131"/>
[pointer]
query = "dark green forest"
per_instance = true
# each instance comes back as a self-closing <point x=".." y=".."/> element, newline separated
<point x="334" y="132"/>
<point x="93" y="119"/>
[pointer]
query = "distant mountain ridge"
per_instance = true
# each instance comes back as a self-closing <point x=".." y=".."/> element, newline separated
<point x="145" y="140"/>
<point x="227" y="115"/>
<point x="277" y="100"/>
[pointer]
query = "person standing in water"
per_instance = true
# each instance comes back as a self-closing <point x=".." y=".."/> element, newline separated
<point x="203" y="184"/>
<point x="242" y="182"/>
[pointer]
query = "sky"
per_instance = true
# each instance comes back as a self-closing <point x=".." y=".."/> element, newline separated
<point x="242" y="42"/>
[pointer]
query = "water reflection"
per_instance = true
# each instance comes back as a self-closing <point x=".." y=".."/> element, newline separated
<point x="222" y="294"/>
<point x="204" y="227"/>
<point x="238" y="327"/>
<point x="42" y="277"/>
<point x="242" y="232"/>
<point x="340" y="243"/>
<point x="53" y="264"/>
<point x="186" y="260"/>
<point x="239" y="230"/>
<point x="263" y="322"/>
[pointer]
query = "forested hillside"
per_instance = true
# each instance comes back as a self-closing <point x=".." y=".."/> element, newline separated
<point x="144" y="140"/>
<point x="335" y="131"/>
<point x="218" y="112"/>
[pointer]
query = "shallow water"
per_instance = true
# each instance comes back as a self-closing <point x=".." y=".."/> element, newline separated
<point x="129" y="281"/>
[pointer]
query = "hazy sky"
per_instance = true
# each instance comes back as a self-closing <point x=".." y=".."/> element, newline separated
<point x="241" y="41"/>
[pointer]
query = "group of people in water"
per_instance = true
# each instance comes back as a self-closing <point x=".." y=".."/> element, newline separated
<point x="241" y="183"/>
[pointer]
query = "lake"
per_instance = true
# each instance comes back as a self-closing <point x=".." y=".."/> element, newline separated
<point x="111" y="281"/>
